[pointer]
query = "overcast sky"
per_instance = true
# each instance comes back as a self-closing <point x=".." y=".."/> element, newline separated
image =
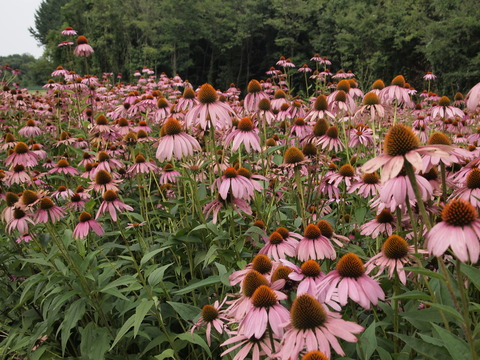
<point x="16" y="17"/>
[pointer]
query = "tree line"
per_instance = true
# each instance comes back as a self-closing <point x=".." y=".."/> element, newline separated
<point x="220" y="41"/>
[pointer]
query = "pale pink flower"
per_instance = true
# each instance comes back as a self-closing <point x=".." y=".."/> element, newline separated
<point x="22" y="156"/>
<point x="277" y="247"/>
<point x="112" y="204"/>
<point x="308" y="276"/>
<point x="350" y="280"/>
<point x="445" y="110"/>
<point x="314" y="245"/>
<point x="232" y="182"/>
<point x="142" y="166"/>
<point x="473" y="97"/>
<point x="396" y="93"/>
<point x="470" y="191"/>
<point x="85" y="225"/>
<point x="259" y="348"/>
<point x="212" y="316"/>
<point x="429" y="76"/>
<point x="401" y="145"/>
<point x="458" y="230"/>
<point x="83" y="48"/>
<point x="30" y="130"/>
<point x="19" y="221"/>
<point x="367" y="186"/>
<point x="69" y="31"/>
<point x="175" y="143"/>
<point x="245" y="134"/>
<point x="313" y="327"/>
<point x="394" y="256"/>
<point x="63" y="167"/>
<point x="382" y="225"/>
<point x="216" y="205"/>
<point x="169" y="175"/>
<point x="48" y="212"/>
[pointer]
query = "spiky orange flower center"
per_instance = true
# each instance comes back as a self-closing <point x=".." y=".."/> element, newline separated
<point x="140" y="159"/>
<point x="275" y="238"/>
<point x="444" y="101"/>
<point x="11" y="198"/>
<point x="321" y="127"/>
<point x="46" y="203"/>
<point x="85" y="216"/>
<point x="384" y="217"/>
<point x="399" y="140"/>
<point x="264" y="105"/>
<point x="262" y="264"/>
<point x="188" y="93"/>
<point x="438" y="138"/>
<point x="459" y="212"/>
<point x="293" y="155"/>
<point x="458" y="96"/>
<point x="395" y="247"/>
<point x="103" y="156"/>
<point x="314" y="355"/>
<point x="254" y="87"/>
<point x="230" y="173"/>
<point x="332" y="132"/>
<point x="18" y="214"/>
<point x="29" y="197"/>
<point x="62" y="163"/>
<point x="209" y="313"/>
<point x="252" y="281"/>
<point x="162" y="103"/>
<point x="371" y="178"/>
<point x="312" y="232"/>
<point x="82" y="40"/>
<point x="207" y="94"/>
<point x="344" y="85"/>
<point x="122" y="122"/>
<point x="283" y="231"/>
<point x="399" y="81"/>
<point x="20" y="148"/>
<point x="280" y="94"/>
<point x="309" y="149"/>
<point x="103" y="177"/>
<point x="350" y="266"/>
<point x="307" y="313"/>
<point x="347" y="170"/>
<point x="101" y="120"/>
<point x="260" y="224"/>
<point x="264" y="297"/>
<point x="321" y="103"/>
<point x="31" y="122"/>
<point x="473" y="179"/>
<point x="378" y="85"/>
<point x="110" y="196"/>
<point x="310" y="268"/>
<point x="244" y="172"/>
<point x="371" y="99"/>
<point x="325" y="228"/>
<point x="246" y="124"/>
<point x="299" y="122"/>
<point x="281" y="273"/>
<point x="341" y="96"/>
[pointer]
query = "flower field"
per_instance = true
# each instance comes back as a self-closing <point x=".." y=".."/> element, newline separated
<point x="159" y="220"/>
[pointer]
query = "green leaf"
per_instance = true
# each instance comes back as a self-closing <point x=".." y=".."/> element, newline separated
<point x="166" y="354"/>
<point x="472" y="273"/>
<point x="123" y="330"/>
<point x="151" y="254"/>
<point x="186" y="311"/>
<point x="384" y="354"/>
<point x="73" y="314"/>
<point x="456" y="347"/>
<point x="414" y="294"/>
<point x="430" y="351"/>
<point x="368" y="341"/>
<point x="195" y="339"/>
<point x="423" y="271"/>
<point x="95" y="342"/>
<point x="447" y="309"/>
<point x="157" y="275"/>
<point x="140" y="312"/>
<point x="205" y="282"/>
<point x="123" y="280"/>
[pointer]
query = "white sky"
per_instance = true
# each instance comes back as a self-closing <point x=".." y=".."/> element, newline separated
<point x="16" y="16"/>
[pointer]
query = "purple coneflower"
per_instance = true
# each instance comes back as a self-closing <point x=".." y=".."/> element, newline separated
<point x="308" y="276"/>
<point x="112" y="203"/>
<point x="367" y="186"/>
<point x="445" y="110"/>
<point x="63" y="167"/>
<point x="313" y="327"/>
<point x="314" y="245"/>
<point x="212" y="316"/>
<point x="142" y="166"/>
<point x="30" y="129"/>
<point x="85" y="225"/>
<point x="48" y="212"/>
<point x="473" y="97"/>
<point x="254" y="96"/>
<point x="394" y="255"/>
<point x="169" y="175"/>
<point x="245" y="134"/>
<point x="216" y="205"/>
<point x="383" y="224"/>
<point x="350" y="280"/>
<point x="21" y="155"/>
<point x="330" y="140"/>
<point x="174" y="142"/>
<point x="459" y="230"/>
<point x="83" y="48"/>
<point x="396" y="93"/>
<point x="19" y="221"/>
<point x="232" y="182"/>
<point x="278" y="247"/>
<point x="401" y="144"/>
<point x="69" y="31"/>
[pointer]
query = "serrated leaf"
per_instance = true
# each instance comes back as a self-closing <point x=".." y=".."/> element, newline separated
<point x="456" y="347"/>
<point x="195" y="339"/>
<point x="187" y="312"/>
<point x="73" y="314"/>
<point x="205" y="282"/>
<point x="157" y="275"/>
<point x="123" y="330"/>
